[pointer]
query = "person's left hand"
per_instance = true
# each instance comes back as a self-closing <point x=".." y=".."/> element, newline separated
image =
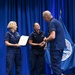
<point x="17" y="45"/>
<point x="42" y="43"/>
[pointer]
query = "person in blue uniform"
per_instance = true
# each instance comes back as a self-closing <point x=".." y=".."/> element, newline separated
<point x="37" y="50"/>
<point x="13" y="52"/>
<point x="57" y="41"/>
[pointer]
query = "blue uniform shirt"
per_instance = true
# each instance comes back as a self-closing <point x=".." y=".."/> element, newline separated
<point x="59" y="42"/>
<point x="12" y="38"/>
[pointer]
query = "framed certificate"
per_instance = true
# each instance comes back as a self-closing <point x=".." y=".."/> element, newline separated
<point x="23" y="40"/>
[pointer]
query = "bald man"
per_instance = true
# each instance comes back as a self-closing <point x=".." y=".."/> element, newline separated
<point x="37" y="50"/>
<point x="57" y="41"/>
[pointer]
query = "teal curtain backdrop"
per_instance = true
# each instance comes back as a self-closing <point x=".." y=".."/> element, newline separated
<point x="25" y="13"/>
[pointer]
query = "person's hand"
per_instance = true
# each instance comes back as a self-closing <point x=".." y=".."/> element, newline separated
<point x="17" y="45"/>
<point x="42" y="43"/>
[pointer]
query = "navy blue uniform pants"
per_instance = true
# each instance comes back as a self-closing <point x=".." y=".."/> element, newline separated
<point x="40" y="62"/>
<point x="13" y="56"/>
<point x="56" y="56"/>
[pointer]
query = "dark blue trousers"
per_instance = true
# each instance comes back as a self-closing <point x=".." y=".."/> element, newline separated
<point x="40" y="63"/>
<point x="13" y="56"/>
<point x="56" y="56"/>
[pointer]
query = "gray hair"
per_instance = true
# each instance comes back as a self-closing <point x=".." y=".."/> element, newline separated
<point x="47" y="13"/>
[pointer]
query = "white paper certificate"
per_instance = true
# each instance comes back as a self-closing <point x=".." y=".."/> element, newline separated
<point x="23" y="40"/>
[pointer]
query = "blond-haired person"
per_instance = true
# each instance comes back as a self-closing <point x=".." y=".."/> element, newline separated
<point x="13" y="52"/>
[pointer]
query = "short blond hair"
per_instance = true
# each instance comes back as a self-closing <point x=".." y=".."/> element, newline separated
<point x="11" y="24"/>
